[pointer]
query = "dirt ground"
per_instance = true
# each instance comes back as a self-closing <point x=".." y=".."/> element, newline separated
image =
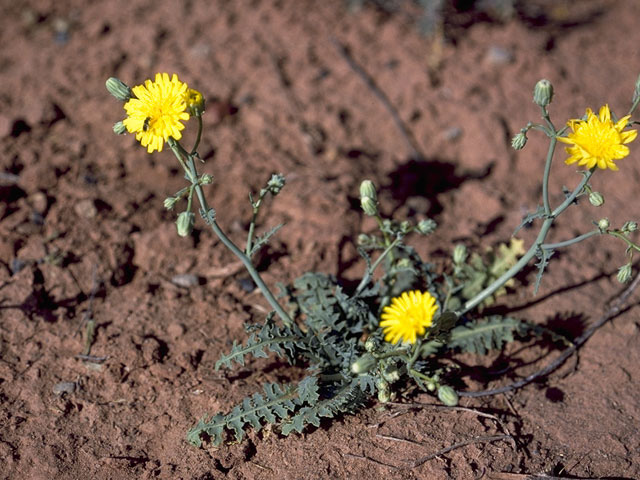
<point x="84" y="234"/>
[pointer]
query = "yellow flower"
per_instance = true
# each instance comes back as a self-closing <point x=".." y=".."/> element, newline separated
<point x="597" y="141"/>
<point x="408" y="316"/>
<point x="156" y="110"/>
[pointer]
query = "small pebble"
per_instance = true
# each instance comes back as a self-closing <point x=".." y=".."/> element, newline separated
<point x="85" y="208"/>
<point x="175" y="330"/>
<point x="185" y="280"/>
<point x="64" y="387"/>
<point x="39" y="202"/>
<point x="452" y="134"/>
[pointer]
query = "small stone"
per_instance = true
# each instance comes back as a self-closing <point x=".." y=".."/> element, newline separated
<point x="85" y="208"/>
<point x="185" y="280"/>
<point x="497" y="55"/>
<point x="64" y="387"/>
<point x="452" y="134"/>
<point x="39" y="202"/>
<point x="175" y="330"/>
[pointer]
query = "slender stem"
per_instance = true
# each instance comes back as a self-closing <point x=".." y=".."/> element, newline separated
<point x="193" y="177"/>
<point x="630" y="244"/>
<point x="369" y="272"/>
<point x="524" y="260"/>
<point x="195" y="146"/>
<point x="252" y="225"/>
<point x="566" y="243"/>
<point x="547" y="165"/>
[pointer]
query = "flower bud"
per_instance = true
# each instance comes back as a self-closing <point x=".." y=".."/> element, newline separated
<point x="405" y="226"/>
<point x="206" y="179"/>
<point x="603" y="224"/>
<point x="372" y="344"/>
<point x="119" y="128"/>
<point x="195" y="102"/>
<point x="519" y="141"/>
<point x="636" y="91"/>
<point x="596" y="199"/>
<point x="384" y="391"/>
<point x="624" y="273"/>
<point x="392" y="373"/>
<point x="629" y="227"/>
<point x="363" y="364"/>
<point x="425" y="227"/>
<point x="448" y="395"/>
<point x="170" y="202"/>
<point x="364" y="240"/>
<point x="275" y="184"/>
<point x="369" y="206"/>
<point x="184" y="223"/>
<point x="368" y="189"/>
<point x="459" y="254"/>
<point x="118" y="89"/>
<point x="543" y="93"/>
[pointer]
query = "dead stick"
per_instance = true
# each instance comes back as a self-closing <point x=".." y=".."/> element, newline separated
<point x="612" y="311"/>
<point x="488" y="439"/>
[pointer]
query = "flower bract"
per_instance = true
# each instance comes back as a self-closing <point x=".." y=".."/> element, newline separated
<point x="597" y="141"/>
<point x="156" y="111"/>
<point x="408" y="316"/>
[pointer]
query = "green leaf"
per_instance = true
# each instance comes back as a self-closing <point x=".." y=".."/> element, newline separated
<point x="483" y="335"/>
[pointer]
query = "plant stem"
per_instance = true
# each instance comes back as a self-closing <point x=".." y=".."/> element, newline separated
<point x="369" y="272"/>
<point x="524" y="260"/>
<point x="192" y="174"/>
<point x="566" y="243"/>
<point x="547" y="165"/>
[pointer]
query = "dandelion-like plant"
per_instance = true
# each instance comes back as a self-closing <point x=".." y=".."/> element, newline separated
<point x="408" y="316"/>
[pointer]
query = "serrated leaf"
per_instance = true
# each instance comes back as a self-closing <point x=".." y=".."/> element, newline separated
<point x="544" y="255"/>
<point x="262" y="240"/>
<point x="308" y="390"/>
<point x="529" y="218"/>
<point x="481" y="336"/>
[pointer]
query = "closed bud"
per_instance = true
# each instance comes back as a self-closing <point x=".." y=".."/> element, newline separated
<point x="170" y="202"/>
<point x="392" y="373"/>
<point x="448" y="395"/>
<point x="119" y="128"/>
<point x="596" y="199"/>
<point x="369" y="206"/>
<point x="629" y="227"/>
<point x="603" y="224"/>
<point x="363" y="240"/>
<point x="206" y="179"/>
<point x="543" y="93"/>
<point x="195" y="102"/>
<point x="459" y="254"/>
<point x="624" y="273"/>
<point x="384" y="391"/>
<point x="636" y="91"/>
<point x="368" y="189"/>
<point x="519" y="141"/>
<point x="405" y="226"/>
<point x="363" y="364"/>
<point x="276" y="183"/>
<point x="118" y="89"/>
<point x="184" y="223"/>
<point x="425" y="227"/>
<point x="372" y="344"/>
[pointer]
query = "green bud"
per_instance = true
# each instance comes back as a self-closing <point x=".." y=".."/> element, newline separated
<point x="185" y="223"/>
<point x="275" y="184"/>
<point x="596" y="199"/>
<point x="629" y="227"/>
<point x="448" y="395"/>
<point x="206" y="179"/>
<point x="431" y="386"/>
<point x="369" y="206"/>
<point x="384" y="391"/>
<point x="405" y="226"/>
<point x="624" y="273"/>
<point x="603" y="224"/>
<point x="372" y="344"/>
<point x="459" y="254"/>
<point x="519" y="141"/>
<point x="543" y="93"/>
<point x="170" y="202"/>
<point x="118" y="89"/>
<point x="392" y="373"/>
<point x="119" y="128"/>
<point x="364" y="364"/>
<point x="425" y="227"/>
<point x="368" y="189"/>
<point x="363" y="240"/>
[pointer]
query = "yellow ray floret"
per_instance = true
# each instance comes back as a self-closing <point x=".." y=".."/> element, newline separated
<point x="156" y="111"/>
<point x="597" y="141"/>
<point x="408" y="316"/>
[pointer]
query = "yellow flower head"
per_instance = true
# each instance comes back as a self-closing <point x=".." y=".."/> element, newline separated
<point x="408" y="316"/>
<point x="156" y="110"/>
<point x="597" y="141"/>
